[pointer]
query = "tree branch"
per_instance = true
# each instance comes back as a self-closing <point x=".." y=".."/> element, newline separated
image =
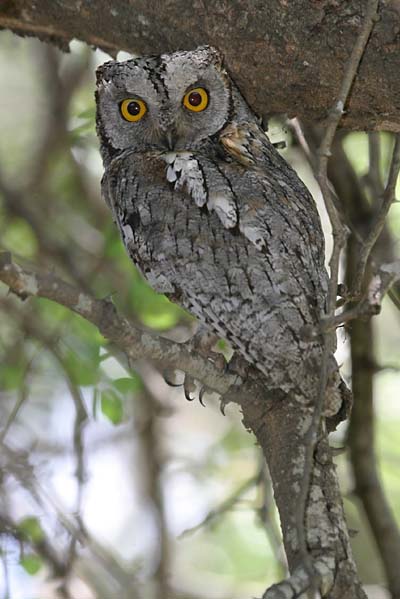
<point x="368" y="486"/>
<point x="339" y="239"/>
<point x="118" y="330"/>
<point x="380" y="284"/>
<point x="379" y="218"/>
<point x="361" y="431"/>
<point x="304" y="44"/>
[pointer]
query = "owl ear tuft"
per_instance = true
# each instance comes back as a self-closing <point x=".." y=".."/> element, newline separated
<point x="216" y="56"/>
<point x="210" y="55"/>
<point x="101" y="72"/>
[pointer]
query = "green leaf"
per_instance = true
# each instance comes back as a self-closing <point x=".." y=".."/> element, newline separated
<point x="89" y="113"/>
<point x="87" y="332"/>
<point x="11" y="377"/>
<point x="111" y="406"/>
<point x="31" y="563"/>
<point x="79" y="130"/>
<point x="154" y="310"/>
<point x="128" y="385"/>
<point x="31" y="529"/>
<point x="226" y="350"/>
<point x="82" y="370"/>
<point x="222" y="344"/>
<point x="113" y="247"/>
<point x="18" y="237"/>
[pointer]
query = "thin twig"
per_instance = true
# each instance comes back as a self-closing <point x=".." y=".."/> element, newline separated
<point x="226" y="505"/>
<point x="31" y="328"/>
<point x="360" y="310"/>
<point x="52" y="133"/>
<point x="339" y="238"/>
<point x="42" y="546"/>
<point x="379" y="220"/>
<point x="268" y="520"/>
<point x="379" y="285"/>
<point x="23" y="394"/>
<point x="26" y="475"/>
<point x="19" y="204"/>
<point x="81" y="418"/>
<point x="153" y="462"/>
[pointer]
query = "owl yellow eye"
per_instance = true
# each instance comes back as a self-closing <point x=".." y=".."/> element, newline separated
<point x="133" y="109"/>
<point x="196" y="99"/>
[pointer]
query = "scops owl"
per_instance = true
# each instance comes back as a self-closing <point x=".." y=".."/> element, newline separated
<point x="209" y="211"/>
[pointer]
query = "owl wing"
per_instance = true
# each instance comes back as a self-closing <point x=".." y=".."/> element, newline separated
<point x="260" y="278"/>
<point x="248" y="145"/>
<point x="283" y="192"/>
<point x="240" y="261"/>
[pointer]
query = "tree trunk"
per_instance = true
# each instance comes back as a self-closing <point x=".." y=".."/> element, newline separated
<point x="276" y="426"/>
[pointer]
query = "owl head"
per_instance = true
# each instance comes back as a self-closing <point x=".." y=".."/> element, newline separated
<point x="163" y="103"/>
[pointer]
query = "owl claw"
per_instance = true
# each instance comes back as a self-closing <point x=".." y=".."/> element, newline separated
<point x="189" y="397"/>
<point x="203" y="390"/>
<point x="165" y="375"/>
<point x="189" y="387"/>
<point x="222" y="405"/>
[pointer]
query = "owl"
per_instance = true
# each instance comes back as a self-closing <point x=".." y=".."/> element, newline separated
<point x="209" y="211"/>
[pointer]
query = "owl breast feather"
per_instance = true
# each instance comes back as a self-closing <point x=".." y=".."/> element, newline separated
<point x="234" y="247"/>
<point x="185" y="172"/>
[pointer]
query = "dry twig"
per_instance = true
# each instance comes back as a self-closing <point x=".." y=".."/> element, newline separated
<point x="379" y="218"/>
<point x="339" y="238"/>
<point x="227" y="505"/>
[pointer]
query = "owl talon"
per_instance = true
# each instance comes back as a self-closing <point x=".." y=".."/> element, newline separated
<point x="222" y="405"/>
<point x="203" y="390"/>
<point x="168" y="381"/>
<point x="189" y="388"/>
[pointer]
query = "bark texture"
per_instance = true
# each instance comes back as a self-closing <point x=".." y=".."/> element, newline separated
<point x="277" y="429"/>
<point x="287" y="57"/>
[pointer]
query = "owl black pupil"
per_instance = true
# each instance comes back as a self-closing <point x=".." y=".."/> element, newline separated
<point x="133" y="108"/>
<point x="195" y="99"/>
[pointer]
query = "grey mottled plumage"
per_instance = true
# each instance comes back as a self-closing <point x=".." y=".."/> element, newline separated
<point x="210" y="212"/>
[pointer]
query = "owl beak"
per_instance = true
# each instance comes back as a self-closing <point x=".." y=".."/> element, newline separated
<point x="170" y="139"/>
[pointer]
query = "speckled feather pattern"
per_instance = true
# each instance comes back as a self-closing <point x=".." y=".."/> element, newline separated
<point x="225" y="227"/>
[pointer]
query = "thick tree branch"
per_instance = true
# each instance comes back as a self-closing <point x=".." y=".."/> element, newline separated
<point x="288" y="57"/>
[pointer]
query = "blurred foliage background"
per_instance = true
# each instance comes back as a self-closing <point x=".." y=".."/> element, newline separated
<point x="112" y="484"/>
